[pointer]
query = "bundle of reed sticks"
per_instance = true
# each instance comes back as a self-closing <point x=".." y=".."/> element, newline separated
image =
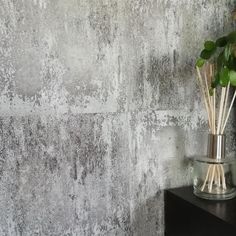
<point x="218" y="109"/>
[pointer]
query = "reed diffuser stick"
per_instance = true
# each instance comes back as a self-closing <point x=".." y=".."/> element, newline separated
<point x="204" y="97"/>
<point x="222" y="98"/>
<point x="228" y="113"/>
<point x="214" y="111"/>
<point x="224" y="110"/>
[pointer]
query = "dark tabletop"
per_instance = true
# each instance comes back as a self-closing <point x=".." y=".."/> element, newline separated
<point x="224" y="210"/>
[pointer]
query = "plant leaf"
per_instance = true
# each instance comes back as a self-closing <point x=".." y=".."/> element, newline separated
<point x="200" y="62"/>
<point x="216" y="81"/>
<point x="232" y="77"/>
<point x="221" y="42"/>
<point x="224" y="76"/>
<point x="209" y="45"/>
<point x="205" y="54"/>
<point x="211" y="91"/>
<point x="233" y="50"/>
<point x="231" y="38"/>
<point x="231" y="63"/>
<point x="220" y="60"/>
<point x="227" y="52"/>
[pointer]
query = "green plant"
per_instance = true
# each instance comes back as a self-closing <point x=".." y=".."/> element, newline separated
<point x="216" y="68"/>
<point x="221" y="53"/>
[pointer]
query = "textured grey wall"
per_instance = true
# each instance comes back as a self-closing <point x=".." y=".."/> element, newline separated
<point x="98" y="107"/>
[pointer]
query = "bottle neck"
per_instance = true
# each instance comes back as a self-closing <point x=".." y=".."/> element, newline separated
<point x="216" y="146"/>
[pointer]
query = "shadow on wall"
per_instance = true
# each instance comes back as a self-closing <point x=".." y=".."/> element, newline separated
<point x="172" y="170"/>
<point x="148" y="217"/>
<point x="173" y="167"/>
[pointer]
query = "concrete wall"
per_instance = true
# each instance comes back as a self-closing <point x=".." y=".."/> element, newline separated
<point x="98" y="107"/>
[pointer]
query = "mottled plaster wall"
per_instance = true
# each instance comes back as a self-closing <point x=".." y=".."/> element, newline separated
<point x="98" y="107"/>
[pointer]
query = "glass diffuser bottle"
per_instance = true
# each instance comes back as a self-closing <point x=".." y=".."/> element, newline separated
<point x="215" y="175"/>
